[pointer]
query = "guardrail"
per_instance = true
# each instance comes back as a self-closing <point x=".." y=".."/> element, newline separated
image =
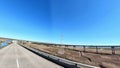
<point x="63" y="62"/>
<point x="113" y="48"/>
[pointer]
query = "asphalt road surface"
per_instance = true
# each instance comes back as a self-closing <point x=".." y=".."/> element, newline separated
<point x="15" y="56"/>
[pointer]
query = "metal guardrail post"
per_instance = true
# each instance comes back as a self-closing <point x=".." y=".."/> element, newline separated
<point x="76" y="66"/>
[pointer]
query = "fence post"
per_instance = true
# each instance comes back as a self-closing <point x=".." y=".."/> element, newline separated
<point x="84" y="48"/>
<point x="74" y="47"/>
<point x="113" y="50"/>
<point x="96" y="49"/>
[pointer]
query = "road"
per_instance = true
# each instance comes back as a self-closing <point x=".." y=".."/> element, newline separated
<point x="15" y="56"/>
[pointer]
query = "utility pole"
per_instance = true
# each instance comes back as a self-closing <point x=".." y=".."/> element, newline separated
<point x="61" y="50"/>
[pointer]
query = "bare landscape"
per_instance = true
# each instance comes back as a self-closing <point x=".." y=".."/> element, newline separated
<point x="3" y="39"/>
<point x="103" y="59"/>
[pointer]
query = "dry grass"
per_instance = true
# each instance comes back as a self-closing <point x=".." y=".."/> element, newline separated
<point x="103" y="60"/>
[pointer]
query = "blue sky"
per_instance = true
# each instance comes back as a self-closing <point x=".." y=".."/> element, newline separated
<point x="74" y="21"/>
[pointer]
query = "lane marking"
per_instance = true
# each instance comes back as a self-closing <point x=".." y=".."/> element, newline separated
<point x="17" y="63"/>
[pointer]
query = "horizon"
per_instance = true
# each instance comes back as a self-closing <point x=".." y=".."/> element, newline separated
<point x="106" y="45"/>
<point x="75" y="22"/>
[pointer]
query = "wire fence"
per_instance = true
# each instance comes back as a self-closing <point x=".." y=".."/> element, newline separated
<point x="98" y="49"/>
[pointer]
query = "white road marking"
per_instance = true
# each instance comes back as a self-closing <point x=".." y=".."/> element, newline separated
<point x="17" y="63"/>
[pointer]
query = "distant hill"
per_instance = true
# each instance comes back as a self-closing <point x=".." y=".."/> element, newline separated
<point x="3" y="39"/>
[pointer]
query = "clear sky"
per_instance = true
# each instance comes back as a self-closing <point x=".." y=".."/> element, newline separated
<point x="61" y="21"/>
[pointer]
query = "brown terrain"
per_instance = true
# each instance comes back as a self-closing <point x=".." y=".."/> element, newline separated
<point x="3" y="39"/>
<point x="104" y="58"/>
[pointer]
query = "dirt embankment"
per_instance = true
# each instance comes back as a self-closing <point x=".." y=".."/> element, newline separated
<point x="102" y="60"/>
<point x="3" y="39"/>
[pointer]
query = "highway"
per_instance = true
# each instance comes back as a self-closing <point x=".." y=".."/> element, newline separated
<point x="15" y="56"/>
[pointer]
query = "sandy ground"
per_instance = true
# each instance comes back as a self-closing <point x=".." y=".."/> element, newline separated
<point x="104" y="60"/>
